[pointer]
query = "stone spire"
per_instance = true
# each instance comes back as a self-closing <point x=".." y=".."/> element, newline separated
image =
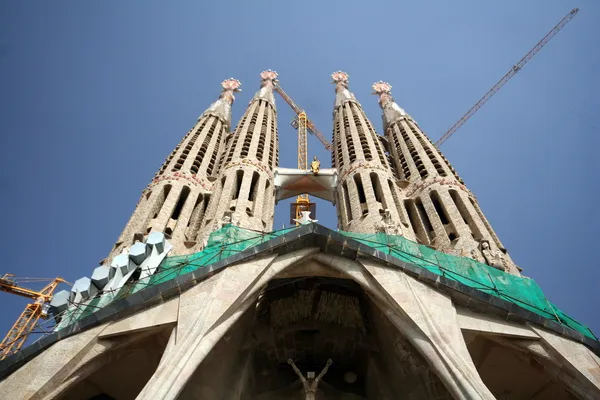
<point x="222" y="107"/>
<point x="244" y="192"/>
<point x="442" y="211"/>
<point x="175" y="201"/>
<point x="369" y="199"/>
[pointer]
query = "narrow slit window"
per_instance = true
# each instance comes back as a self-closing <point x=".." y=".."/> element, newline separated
<point x="424" y="217"/>
<point x="347" y="202"/>
<point x="253" y="187"/>
<point x="239" y="175"/>
<point x="180" y="203"/>
<point x="359" y="188"/>
<point x="439" y="208"/>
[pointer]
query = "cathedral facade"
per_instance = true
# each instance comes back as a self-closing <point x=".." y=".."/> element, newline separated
<point x="414" y="296"/>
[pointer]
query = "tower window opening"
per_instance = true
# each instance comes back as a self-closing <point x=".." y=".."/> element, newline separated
<point x="189" y="145"/>
<point x="424" y="217"/>
<point x="206" y="200"/>
<point x="268" y="200"/>
<point x="261" y="139"/>
<point x="180" y="203"/>
<point x="348" y="134"/>
<point x="347" y="202"/>
<point x="415" y="221"/>
<point x="379" y="197"/>
<point x="439" y="208"/>
<point x="160" y="201"/>
<point x="198" y="208"/>
<point x="239" y="176"/>
<point x="253" y="187"/>
<point x="361" y="194"/>
<point x="413" y="153"/>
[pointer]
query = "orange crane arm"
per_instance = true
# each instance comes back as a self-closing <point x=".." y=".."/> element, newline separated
<point x="18" y="334"/>
<point x="309" y="124"/>
<point x="516" y="68"/>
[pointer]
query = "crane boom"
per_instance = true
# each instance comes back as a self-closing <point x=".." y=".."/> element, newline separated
<point x="18" y="334"/>
<point x="310" y="127"/>
<point x="515" y="68"/>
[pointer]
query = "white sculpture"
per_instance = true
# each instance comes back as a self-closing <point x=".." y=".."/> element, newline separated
<point x="388" y="225"/>
<point x="305" y="218"/>
<point x="310" y="383"/>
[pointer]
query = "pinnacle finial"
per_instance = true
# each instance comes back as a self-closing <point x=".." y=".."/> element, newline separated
<point x="269" y="75"/>
<point x="231" y="84"/>
<point x="380" y="87"/>
<point x="340" y="77"/>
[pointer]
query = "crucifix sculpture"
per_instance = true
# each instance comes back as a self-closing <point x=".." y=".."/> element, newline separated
<point x="310" y="383"/>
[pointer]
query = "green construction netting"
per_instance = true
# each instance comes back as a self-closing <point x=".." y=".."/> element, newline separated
<point x="230" y="240"/>
<point x="519" y="290"/>
<point x="222" y="243"/>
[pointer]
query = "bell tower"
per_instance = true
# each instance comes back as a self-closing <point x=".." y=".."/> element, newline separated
<point x="369" y="199"/>
<point x="175" y="201"/>
<point x="442" y="210"/>
<point x="244" y="192"/>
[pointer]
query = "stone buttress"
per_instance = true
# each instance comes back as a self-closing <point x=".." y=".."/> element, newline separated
<point x="244" y="192"/>
<point x="176" y="199"/>
<point x="369" y="199"/>
<point x="443" y="212"/>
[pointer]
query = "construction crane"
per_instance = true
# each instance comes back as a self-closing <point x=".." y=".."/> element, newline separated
<point x="303" y="125"/>
<point x="310" y="127"/>
<point x="18" y="334"/>
<point x="515" y="68"/>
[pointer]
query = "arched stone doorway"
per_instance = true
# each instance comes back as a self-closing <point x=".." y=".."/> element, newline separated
<point x="311" y="319"/>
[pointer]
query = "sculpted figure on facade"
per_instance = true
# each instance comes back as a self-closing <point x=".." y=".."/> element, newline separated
<point x="388" y="225"/>
<point x="491" y="257"/>
<point x="310" y="384"/>
<point x="315" y="165"/>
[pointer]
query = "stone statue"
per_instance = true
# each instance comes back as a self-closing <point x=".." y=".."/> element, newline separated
<point x="310" y="383"/>
<point x="491" y="257"/>
<point x="226" y="220"/>
<point x="388" y="225"/>
<point x="315" y="165"/>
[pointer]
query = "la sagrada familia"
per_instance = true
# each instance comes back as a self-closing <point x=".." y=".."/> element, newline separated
<point x="414" y="296"/>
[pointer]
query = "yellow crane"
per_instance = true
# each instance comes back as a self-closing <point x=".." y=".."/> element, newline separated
<point x="303" y="125"/>
<point x="27" y="321"/>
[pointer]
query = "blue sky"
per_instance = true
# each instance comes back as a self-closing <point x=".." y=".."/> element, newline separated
<point x="95" y="95"/>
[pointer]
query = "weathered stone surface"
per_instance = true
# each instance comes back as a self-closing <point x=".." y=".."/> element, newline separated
<point x="479" y="322"/>
<point x="139" y="252"/>
<point x="102" y="275"/>
<point x="161" y="314"/>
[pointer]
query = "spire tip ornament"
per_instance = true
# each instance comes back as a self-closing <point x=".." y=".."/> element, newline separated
<point x="340" y="77"/>
<point x="380" y="87"/>
<point x="231" y="84"/>
<point x="269" y="75"/>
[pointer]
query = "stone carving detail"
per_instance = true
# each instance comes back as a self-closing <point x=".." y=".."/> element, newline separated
<point x="420" y="185"/>
<point x="387" y="224"/>
<point x="491" y="257"/>
<point x="178" y="176"/>
<point x="253" y="163"/>
<point x="310" y="383"/>
<point x="226" y="220"/>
